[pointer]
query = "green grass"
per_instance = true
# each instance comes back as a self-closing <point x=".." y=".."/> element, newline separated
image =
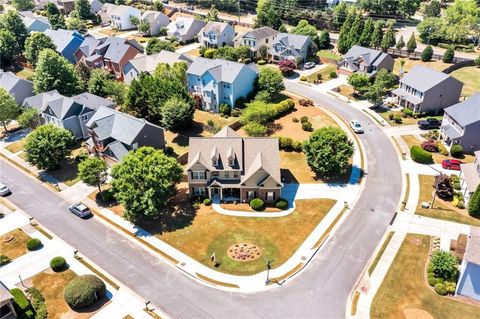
<point x="410" y="63"/>
<point x="329" y="55"/>
<point x="405" y="121"/>
<point x="405" y="287"/>
<point x="380" y="253"/>
<point x="470" y="76"/>
<point x="325" y="72"/>
<point x="441" y="209"/>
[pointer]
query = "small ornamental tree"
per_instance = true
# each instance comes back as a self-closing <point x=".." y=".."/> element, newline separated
<point x="400" y="43"/>
<point x="411" y="44"/>
<point x="35" y="43"/>
<point x="287" y="66"/>
<point x="444" y="188"/>
<point x="93" y="172"/>
<point x="144" y="182"/>
<point x="474" y="203"/>
<point x="47" y="146"/>
<point x="177" y="114"/>
<point x="271" y="81"/>
<point x="449" y="55"/>
<point x="359" y="81"/>
<point x="444" y="265"/>
<point x="28" y="119"/>
<point x="8" y="108"/>
<point x="328" y="151"/>
<point x="427" y="54"/>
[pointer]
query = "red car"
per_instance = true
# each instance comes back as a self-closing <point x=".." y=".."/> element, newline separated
<point x="451" y="164"/>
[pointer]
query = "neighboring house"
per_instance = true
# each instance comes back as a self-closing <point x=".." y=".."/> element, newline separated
<point x="257" y="38"/>
<point x="66" y="41"/>
<point x="290" y="47"/>
<point x="148" y="63"/>
<point x="185" y="29"/>
<point x="425" y="90"/>
<point x="19" y="88"/>
<point x="111" y="53"/>
<point x="121" y="15"/>
<point x="96" y="6"/>
<point x="113" y="134"/>
<point x="228" y="167"/>
<point x="64" y="6"/>
<point x="217" y="34"/>
<point x="332" y="3"/>
<point x="461" y="124"/>
<point x="470" y="176"/>
<point x="71" y="113"/>
<point x="34" y="22"/>
<point x="365" y="60"/>
<point x="469" y="279"/>
<point x="87" y="48"/>
<point x="106" y="11"/>
<point x="156" y="20"/>
<point x="216" y="82"/>
<point x="7" y="311"/>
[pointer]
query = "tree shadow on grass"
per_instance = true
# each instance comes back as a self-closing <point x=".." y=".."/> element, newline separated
<point x="195" y="130"/>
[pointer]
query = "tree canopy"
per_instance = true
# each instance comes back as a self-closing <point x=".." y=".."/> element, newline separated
<point x="97" y="84"/>
<point x="28" y="119"/>
<point x="55" y="18"/>
<point x="271" y="81"/>
<point x="83" y="10"/>
<point x="9" y="108"/>
<point x="23" y="5"/>
<point x="35" y="43"/>
<point x="11" y="21"/>
<point x="156" y="45"/>
<point x="177" y="114"/>
<point x="93" y="172"/>
<point x="8" y="46"/>
<point x="144" y="182"/>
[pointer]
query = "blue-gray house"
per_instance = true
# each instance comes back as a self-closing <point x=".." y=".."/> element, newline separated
<point x="216" y="82"/>
<point x="469" y="280"/>
<point x="67" y="42"/>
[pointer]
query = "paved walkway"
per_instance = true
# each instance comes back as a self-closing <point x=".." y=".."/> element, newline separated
<point x="188" y="48"/>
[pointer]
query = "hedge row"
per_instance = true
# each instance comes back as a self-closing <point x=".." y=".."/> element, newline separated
<point x="421" y="156"/>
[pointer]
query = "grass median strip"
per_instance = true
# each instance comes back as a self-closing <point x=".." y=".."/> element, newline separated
<point x="355" y="299"/>
<point x="287" y="275"/>
<point x="216" y="282"/>
<point x="43" y="231"/>
<point x="397" y="145"/>
<point x="380" y="253"/>
<point x="407" y="191"/>
<point x="329" y="229"/>
<point x="98" y="273"/>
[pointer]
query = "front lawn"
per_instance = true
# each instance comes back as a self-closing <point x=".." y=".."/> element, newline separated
<point x="17" y="146"/>
<point x="67" y="172"/>
<point x="201" y="232"/>
<point x="15" y="247"/>
<point x="200" y="127"/>
<point x="470" y="76"/>
<point x="405" y="293"/>
<point x="441" y="209"/>
<point x="411" y="140"/>
<point x="346" y="90"/>
<point x="410" y="63"/>
<point x="385" y="113"/>
<point x="324" y="72"/>
<point x="329" y="55"/>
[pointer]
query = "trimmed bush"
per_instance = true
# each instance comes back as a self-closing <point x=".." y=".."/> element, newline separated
<point x="282" y="204"/>
<point x="391" y="116"/>
<point x="4" y="260"/>
<point x="21" y="304"/>
<point x="307" y="126"/>
<point x="442" y="149"/>
<point x="255" y="129"/>
<point x="285" y="143"/>
<point x="432" y="281"/>
<point x="209" y="53"/>
<point x="297" y="146"/>
<point x="285" y="107"/>
<point x="225" y="109"/>
<point x="451" y="287"/>
<point x="456" y="186"/>
<point x="407" y="111"/>
<point x="440" y="289"/>
<point x="456" y="150"/>
<point x="430" y="146"/>
<point x="333" y="75"/>
<point x="207" y="202"/>
<point x="431" y="275"/>
<point x="58" y="264"/>
<point x="84" y="291"/>
<point x="397" y="119"/>
<point x="257" y="204"/>
<point x="445" y="265"/>
<point x="38" y="303"/>
<point x="303" y="78"/>
<point x="34" y="244"/>
<point x="420" y="156"/>
<point x="461" y="204"/>
<point x="295" y="120"/>
<point x="261" y="62"/>
<point x="304" y="119"/>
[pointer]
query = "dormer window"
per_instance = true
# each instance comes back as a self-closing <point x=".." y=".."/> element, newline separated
<point x="214" y="162"/>
<point x="231" y="162"/>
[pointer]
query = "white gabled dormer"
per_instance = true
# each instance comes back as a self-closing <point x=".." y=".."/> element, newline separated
<point x="215" y="156"/>
<point x="231" y="157"/>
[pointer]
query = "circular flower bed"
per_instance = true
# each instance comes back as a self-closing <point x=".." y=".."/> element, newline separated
<point x="244" y="252"/>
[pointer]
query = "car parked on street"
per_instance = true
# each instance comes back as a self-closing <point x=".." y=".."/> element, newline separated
<point x="356" y="126"/>
<point x="309" y="65"/>
<point x="81" y="210"/>
<point x="429" y="124"/>
<point x="452" y="164"/>
<point x="4" y="190"/>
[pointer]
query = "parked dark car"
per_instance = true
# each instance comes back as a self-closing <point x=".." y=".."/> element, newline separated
<point x="452" y="164"/>
<point x="430" y="123"/>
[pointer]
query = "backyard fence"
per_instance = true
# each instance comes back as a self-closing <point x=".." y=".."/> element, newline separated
<point x="418" y="55"/>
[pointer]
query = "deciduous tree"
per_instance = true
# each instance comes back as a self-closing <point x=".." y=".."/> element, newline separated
<point x="23" y="5"/>
<point x="55" y="18"/>
<point x="8" y="46"/>
<point x="177" y="114"/>
<point x="8" y="108"/>
<point x="359" y="81"/>
<point x="83" y="10"/>
<point x="474" y="203"/>
<point x="155" y="45"/>
<point x="271" y="81"/>
<point x="11" y="21"/>
<point x="93" y="172"/>
<point x="98" y="82"/>
<point x="433" y="9"/>
<point x="35" y="43"/>
<point x="29" y="118"/>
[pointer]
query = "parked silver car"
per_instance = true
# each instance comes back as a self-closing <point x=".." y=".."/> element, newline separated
<point x="4" y="190"/>
<point x="81" y="210"/>
<point x="356" y="126"/>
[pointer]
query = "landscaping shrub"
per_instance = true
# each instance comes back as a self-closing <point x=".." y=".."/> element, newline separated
<point x="84" y="291"/>
<point x="225" y="109"/>
<point x="21" y="304"/>
<point x="282" y="204"/>
<point x="209" y="53"/>
<point x="407" y="111"/>
<point x="432" y="281"/>
<point x="391" y="116"/>
<point x="4" y="260"/>
<point x="451" y="287"/>
<point x="448" y="55"/>
<point x="440" y="289"/>
<point x="255" y="129"/>
<point x="431" y="274"/>
<point x="461" y="204"/>
<point x="263" y="96"/>
<point x="304" y="119"/>
<point x="207" y="202"/>
<point x="427" y="54"/>
<point x="34" y="244"/>
<point x="257" y="204"/>
<point x="236" y="112"/>
<point x="58" y="263"/>
<point x="285" y="143"/>
<point x="261" y="62"/>
<point x="474" y="203"/>
<point x="303" y="78"/>
<point x="445" y="265"/>
<point x="297" y="146"/>
<point x="295" y="120"/>
<point x="456" y="186"/>
<point x="287" y="66"/>
<point x="38" y="303"/>
<point x="442" y="149"/>
<point x="456" y="150"/>
<point x="333" y="75"/>
<point x="247" y="60"/>
<point x="307" y="126"/>
<point x="285" y="107"/>
<point x="108" y="195"/>
<point x="430" y="146"/>
<point x="305" y="102"/>
<point x="444" y="187"/>
<point x="397" y="119"/>
<point x="420" y="156"/>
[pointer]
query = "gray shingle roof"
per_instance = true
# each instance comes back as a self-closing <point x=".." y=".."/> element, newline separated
<point x="423" y="78"/>
<point x="221" y="70"/>
<point x="60" y="37"/>
<point x="261" y="33"/>
<point x="466" y="112"/>
<point x="64" y="107"/>
<point x="118" y="150"/>
<point x="117" y="125"/>
<point x="472" y="254"/>
<point x="369" y="56"/>
<point x="122" y="9"/>
<point x="92" y="101"/>
<point x="148" y="63"/>
<point x="90" y="43"/>
<point x="182" y="25"/>
<point x="40" y="101"/>
<point x="16" y="86"/>
<point x="215" y="27"/>
<point x="295" y="41"/>
<point x="150" y="16"/>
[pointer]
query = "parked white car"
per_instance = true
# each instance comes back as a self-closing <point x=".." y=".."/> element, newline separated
<point x="4" y="190"/>
<point x="356" y="126"/>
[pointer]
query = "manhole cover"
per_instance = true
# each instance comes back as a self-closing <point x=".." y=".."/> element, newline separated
<point x="372" y="210"/>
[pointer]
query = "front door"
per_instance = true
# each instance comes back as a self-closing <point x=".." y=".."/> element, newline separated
<point x="215" y="192"/>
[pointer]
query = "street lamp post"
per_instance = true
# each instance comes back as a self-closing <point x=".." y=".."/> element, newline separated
<point x="269" y="266"/>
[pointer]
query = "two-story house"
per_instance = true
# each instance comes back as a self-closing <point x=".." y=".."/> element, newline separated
<point x="425" y="90"/>
<point x="461" y="124"/>
<point x="106" y="11"/>
<point x="17" y="87"/>
<point x="470" y="176"/>
<point x="288" y="46"/>
<point x="120" y="17"/>
<point x="148" y="63"/>
<point x="34" y="22"/>
<point x="257" y="38"/>
<point x="67" y="42"/>
<point x="87" y="48"/>
<point x="64" y="6"/>
<point x="217" y="34"/>
<point x="216" y="82"/>
<point x="185" y="30"/>
<point x="71" y="113"/>
<point x="156" y="20"/>
<point x="228" y="167"/>
<point x="112" y="53"/>
<point x="365" y="60"/>
<point x="113" y="134"/>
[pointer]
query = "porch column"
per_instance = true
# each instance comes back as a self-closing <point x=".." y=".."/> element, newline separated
<point x="221" y="193"/>
<point x="209" y="190"/>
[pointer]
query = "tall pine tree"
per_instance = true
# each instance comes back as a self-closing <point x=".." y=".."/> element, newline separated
<point x="367" y="32"/>
<point x="377" y="35"/>
<point x="412" y="43"/>
<point x="388" y="39"/>
<point x="343" y="40"/>
<point x="355" y="31"/>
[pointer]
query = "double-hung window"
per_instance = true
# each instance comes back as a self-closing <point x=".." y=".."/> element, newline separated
<point x="198" y="175"/>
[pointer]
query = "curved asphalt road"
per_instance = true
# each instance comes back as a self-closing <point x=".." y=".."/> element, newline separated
<point x="321" y="291"/>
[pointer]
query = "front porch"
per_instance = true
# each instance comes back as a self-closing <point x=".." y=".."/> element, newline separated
<point x="231" y="194"/>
